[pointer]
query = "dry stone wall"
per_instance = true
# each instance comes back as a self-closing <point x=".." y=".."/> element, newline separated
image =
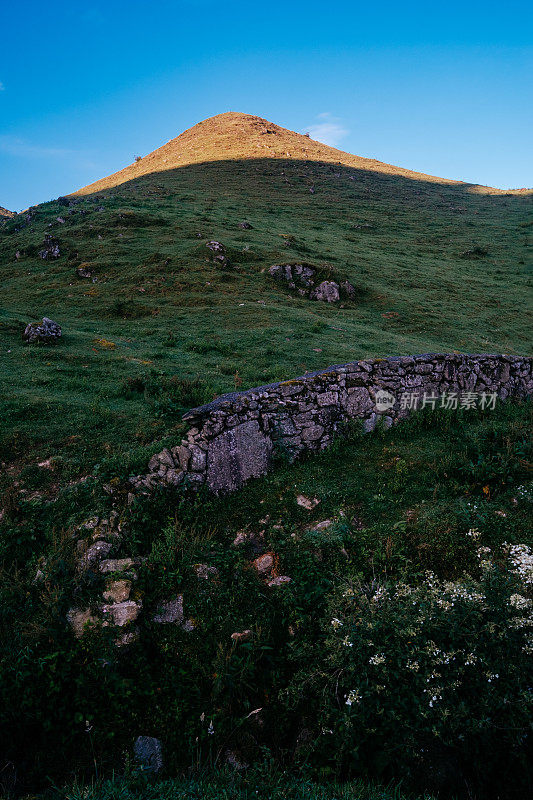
<point x="233" y="438"/>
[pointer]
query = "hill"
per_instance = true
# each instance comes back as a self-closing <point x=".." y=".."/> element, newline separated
<point x="5" y="213"/>
<point x="236" y="137"/>
<point x="436" y="266"/>
<point x="363" y="613"/>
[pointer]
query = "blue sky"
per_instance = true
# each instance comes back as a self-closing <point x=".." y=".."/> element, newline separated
<point x="443" y="88"/>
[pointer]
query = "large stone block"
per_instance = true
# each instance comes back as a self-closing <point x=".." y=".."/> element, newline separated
<point x="237" y="455"/>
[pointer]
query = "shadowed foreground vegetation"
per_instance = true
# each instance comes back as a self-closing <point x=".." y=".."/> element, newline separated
<point x="405" y="613"/>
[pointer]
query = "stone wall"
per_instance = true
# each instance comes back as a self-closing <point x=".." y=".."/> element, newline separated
<point x="233" y="438"/>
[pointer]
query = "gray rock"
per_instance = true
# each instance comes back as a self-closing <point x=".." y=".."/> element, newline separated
<point x="218" y="253"/>
<point x="170" y="611"/>
<point x="264" y="564"/>
<point x="235" y="456"/>
<point x="327" y="292"/>
<point x="148" y="753"/>
<point x="45" y="331"/>
<point x="50" y="247"/>
<point x="80" y="620"/>
<point x="122" y="613"/>
<point x="280" y="580"/>
<point x="84" y="272"/>
<point x="96" y="552"/>
<point x="116" y="565"/>
<point x="348" y="289"/>
<point x="117" y="591"/>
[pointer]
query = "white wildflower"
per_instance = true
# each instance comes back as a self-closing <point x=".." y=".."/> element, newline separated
<point x="354" y="696"/>
<point x="519" y="602"/>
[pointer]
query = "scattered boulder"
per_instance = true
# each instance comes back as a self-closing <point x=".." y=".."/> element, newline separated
<point x="94" y="553"/>
<point x="45" y="331"/>
<point x="348" y="289"/>
<point x="78" y="619"/>
<point x="50" y="247"/>
<point x="279" y="580"/>
<point x="170" y="611"/>
<point x="148" y="753"/>
<point x="327" y="292"/>
<point x="84" y="271"/>
<point x="264" y="564"/>
<point x="307" y="502"/>
<point x="245" y="226"/>
<point x="293" y="274"/>
<point x="218" y="253"/>
<point x="302" y="278"/>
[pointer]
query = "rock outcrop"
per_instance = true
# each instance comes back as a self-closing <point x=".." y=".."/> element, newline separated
<point x="45" y="331"/>
<point x="303" y="279"/>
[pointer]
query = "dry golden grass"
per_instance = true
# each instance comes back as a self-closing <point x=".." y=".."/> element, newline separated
<point x="235" y="137"/>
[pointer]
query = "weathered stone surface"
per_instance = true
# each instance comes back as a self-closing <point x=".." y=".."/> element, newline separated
<point x="231" y="438"/>
<point x="116" y="565"/>
<point x="50" y="247"/>
<point x="80" y="620"/>
<point x="45" y="331"/>
<point x="264" y="564"/>
<point x="348" y="289"/>
<point x="279" y="580"/>
<point x="148" y="753"/>
<point x="84" y="271"/>
<point x="117" y="591"/>
<point x="122" y="613"/>
<point x="170" y="611"/>
<point x="307" y="502"/>
<point x="237" y="455"/>
<point x="218" y="253"/>
<point x="327" y="292"/>
<point x="95" y="553"/>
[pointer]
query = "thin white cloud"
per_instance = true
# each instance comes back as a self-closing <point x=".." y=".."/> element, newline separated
<point x="330" y="130"/>
<point x="2" y="87"/>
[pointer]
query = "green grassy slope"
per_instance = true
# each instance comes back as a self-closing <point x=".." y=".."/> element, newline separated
<point x="158" y="304"/>
<point x="438" y="266"/>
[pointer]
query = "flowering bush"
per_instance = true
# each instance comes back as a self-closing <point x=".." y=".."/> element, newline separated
<point x="416" y="676"/>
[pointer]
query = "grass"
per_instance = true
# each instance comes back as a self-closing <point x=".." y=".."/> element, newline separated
<point x="437" y="266"/>
<point x="159" y="304"/>
<point x="227" y="786"/>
